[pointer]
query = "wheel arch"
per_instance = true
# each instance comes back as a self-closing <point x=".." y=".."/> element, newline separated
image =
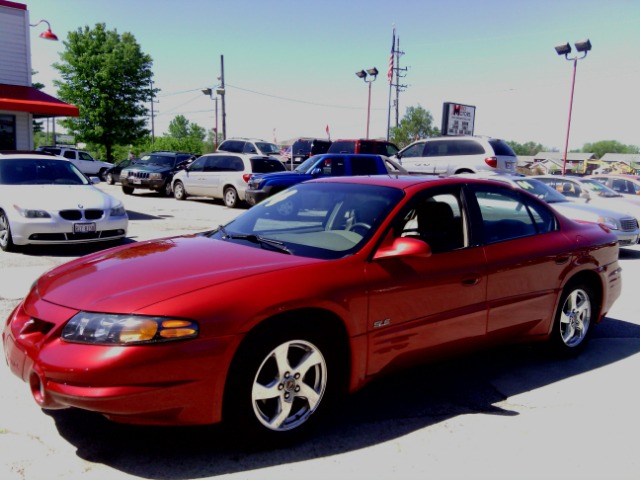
<point x="591" y="279"/>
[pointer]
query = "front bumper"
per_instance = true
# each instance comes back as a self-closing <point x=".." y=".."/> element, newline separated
<point x="173" y="383"/>
<point x="253" y="197"/>
<point x="149" y="184"/>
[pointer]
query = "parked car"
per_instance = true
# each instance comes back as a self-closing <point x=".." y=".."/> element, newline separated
<point x="461" y="154"/>
<point x="623" y="225"/>
<point x="81" y="159"/>
<point x="45" y="199"/>
<point x="621" y="183"/>
<point x="171" y="338"/>
<point x="261" y="186"/>
<point x="112" y="175"/>
<point x="222" y="175"/>
<point x="589" y="190"/>
<point x="304" y="148"/>
<point x="252" y="146"/>
<point x="154" y="171"/>
<point x="361" y="145"/>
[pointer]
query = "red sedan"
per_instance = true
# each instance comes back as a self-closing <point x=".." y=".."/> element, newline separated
<point x="263" y="320"/>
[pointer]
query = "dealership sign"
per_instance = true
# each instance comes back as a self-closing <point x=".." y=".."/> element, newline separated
<point x="457" y="119"/>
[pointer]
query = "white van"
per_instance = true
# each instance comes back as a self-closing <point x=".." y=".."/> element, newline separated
<point x="463" y="154"/>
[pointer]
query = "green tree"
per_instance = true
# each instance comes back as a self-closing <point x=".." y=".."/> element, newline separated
<point x="108" y="78"/>
<point x="179" y="127"/>
<point x="417" y="123"/>
<point x="608" y="146"/>
<point x="529" y="148"/>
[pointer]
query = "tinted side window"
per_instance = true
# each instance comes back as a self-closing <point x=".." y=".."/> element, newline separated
<point x="70" y="154"/>
<point x="466" y="147"/>
<point x="368" y="147"/>
<point x="85" y="156"/>
<point x="415" y="150"/>
<point x="199" y="164"/>
<point x="249" y="148"/>
<point x="236" y="164"/>
<point x="501" y="148"/>
<point x="364" y="166"/>
<point x="232" y="146"/>
<point x="342" y="147"/>
<point x="266" y="165"/>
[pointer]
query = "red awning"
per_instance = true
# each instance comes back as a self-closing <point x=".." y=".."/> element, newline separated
<point x="19" y="98"/>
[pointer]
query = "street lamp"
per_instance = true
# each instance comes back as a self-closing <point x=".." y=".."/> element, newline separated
<point x="47" y="34"/>
<point x="373" y="73"/>
<point x="583" y="48"/>
<point x="209" y="91"/>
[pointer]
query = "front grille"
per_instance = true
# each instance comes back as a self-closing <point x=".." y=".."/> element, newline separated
<point x="62" y="237"/>
<point x="75" y="215"/>
<point x="138" y="174"/>
<point x="628" y="224"/>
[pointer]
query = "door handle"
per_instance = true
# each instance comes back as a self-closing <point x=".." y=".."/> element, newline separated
<point x="471" y="281"/>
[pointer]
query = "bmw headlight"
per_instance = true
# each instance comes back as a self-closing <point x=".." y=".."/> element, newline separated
<point x="114" y="329"/>
<point x="32" y="213"/>
<point x="118" y="211"/>
<point x="609" y="222"/>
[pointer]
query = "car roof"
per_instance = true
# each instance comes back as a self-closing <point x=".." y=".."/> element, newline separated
<point x="28" y="155"/>
<point x="401" y="181"/>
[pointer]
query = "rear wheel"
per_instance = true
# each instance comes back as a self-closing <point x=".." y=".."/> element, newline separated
<point x="279" y="385"/>
<point x="576" y="313"/>
<point x="230" y="197"/>
<point x="6" y="241"/>
<point x="178" y="191"/>
<point x="110" y="179"/>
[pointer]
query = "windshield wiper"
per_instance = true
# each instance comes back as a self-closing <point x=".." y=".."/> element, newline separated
<point x="279" y="246"/>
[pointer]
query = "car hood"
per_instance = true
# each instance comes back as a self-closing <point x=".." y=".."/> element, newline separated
<point x="585" y="212"/>
<point x="56" y="197"/>
<point x="148" y="168"/>
<point x="140" y="275"/>
<point x="288" y="176"/>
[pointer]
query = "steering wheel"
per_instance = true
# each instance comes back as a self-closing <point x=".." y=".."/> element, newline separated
<point x="360" y="228"/>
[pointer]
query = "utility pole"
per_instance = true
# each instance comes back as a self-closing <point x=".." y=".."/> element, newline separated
<point x="153" y="115"/>
<point x="223" y="94"/>
<point x="397" y="84"/>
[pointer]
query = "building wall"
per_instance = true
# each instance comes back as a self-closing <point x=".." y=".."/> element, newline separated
<point x="15" y="54"/>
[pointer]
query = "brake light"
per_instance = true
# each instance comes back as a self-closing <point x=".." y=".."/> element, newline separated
<point x="246" y="177"/>
<point x="491" y="161"/>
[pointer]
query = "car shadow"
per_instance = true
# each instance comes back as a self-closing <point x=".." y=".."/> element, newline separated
<point x="628" y="253"/>
<point x="384" y="410"/>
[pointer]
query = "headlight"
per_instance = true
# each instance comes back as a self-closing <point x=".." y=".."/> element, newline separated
<point x="118" y="211"/>
<point x="113" y="329"/>
<point x="30" y="213"/>
<point x="155" y="176"/>
<point x="609" y="222"/>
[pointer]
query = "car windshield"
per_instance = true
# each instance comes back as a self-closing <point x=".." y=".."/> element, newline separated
<point x="318" y="220"/>
<point x="598" y="188"/>
<point x="268" y="148"/>
<point x="541" y="190"/>
<point x="38" y="171"/>
<point x="305" y="166"/>
<point x="157" y="160"/>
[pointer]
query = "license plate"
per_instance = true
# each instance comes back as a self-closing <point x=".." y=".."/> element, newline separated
<point x="84" y="227"/>
<point x="137" y="181"/>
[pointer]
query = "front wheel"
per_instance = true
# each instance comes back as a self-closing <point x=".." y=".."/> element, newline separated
<point x="110" y="179"/>
<point x="279" y="385"/>
<point x="230" y="197"/>
<point x="6" y="241"/>
<point x="179" y="191"/>
<point x="574" y="318"/>
<point x="165" y="190"/>
<point x="127" y="190"/>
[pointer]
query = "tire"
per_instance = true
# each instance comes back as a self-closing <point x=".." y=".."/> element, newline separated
<point x="128" y="190"/>
<point x="576" y="314"/>
<point x="165" y="190"/>
<point x="102" y="174"/>
<point x="178" y="191"/>
<point x="110" y="180"/>
<point x="278" y="386"/>
<point x="6" y="241"/>
<point x="230" y="197"/>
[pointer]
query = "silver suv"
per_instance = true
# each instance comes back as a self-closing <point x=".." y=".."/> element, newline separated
<point x="81" y="159"/>
<point x="463" y="154"/>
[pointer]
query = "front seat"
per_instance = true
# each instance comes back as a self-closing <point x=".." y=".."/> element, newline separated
<point x="436" y="226"/>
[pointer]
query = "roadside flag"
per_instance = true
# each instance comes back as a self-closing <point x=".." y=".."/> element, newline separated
<point x="327" y="130"/>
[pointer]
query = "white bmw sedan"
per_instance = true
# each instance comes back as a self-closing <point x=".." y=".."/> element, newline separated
<point x="45" y="199"/>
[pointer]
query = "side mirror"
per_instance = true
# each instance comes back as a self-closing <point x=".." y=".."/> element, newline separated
<point x="316" y="171"/>
<point x="404" y="247"/>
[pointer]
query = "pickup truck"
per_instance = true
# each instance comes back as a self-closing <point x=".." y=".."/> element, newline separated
<point x="261" y="186"/>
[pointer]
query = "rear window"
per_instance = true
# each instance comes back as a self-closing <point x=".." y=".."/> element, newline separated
<point x="301" y="147"/>
<point x="266" y="165"/>
<point x="502" y="148"/>
<point x="364" y="166"/>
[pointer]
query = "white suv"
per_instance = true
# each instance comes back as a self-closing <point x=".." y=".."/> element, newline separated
<point x="222" y="175"/>
<point x="81" y="159"/>
<point x="252" y="146"/>
<point x="463" y="154"/>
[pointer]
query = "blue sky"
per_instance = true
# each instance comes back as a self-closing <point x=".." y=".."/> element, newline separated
<point x="290" y="64"/>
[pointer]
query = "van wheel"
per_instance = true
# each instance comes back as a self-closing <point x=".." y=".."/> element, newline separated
<point x="230" y="197"/>
<point x="179" y="191"/>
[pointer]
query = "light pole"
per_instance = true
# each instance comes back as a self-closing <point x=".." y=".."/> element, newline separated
<point x="583" y="48"/>
<point x="373" y="73"/>
<point x="209" y="91"/>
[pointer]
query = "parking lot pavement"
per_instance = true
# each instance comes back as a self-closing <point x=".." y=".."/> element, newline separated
<point x="504" y="414"/>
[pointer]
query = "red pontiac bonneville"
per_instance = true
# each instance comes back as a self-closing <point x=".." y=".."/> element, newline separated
<point x="263" y="320"/>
